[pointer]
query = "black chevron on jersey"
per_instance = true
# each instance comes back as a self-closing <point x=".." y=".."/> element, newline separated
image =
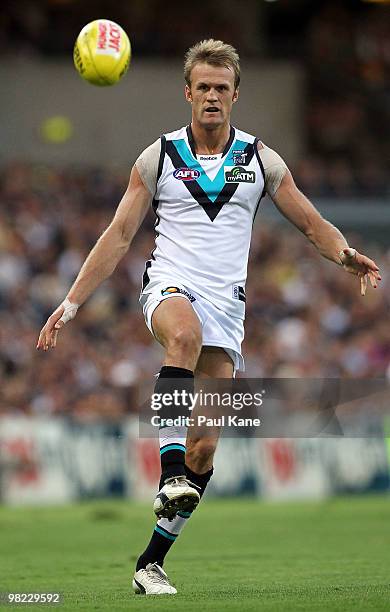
<point x="211" y="208"/>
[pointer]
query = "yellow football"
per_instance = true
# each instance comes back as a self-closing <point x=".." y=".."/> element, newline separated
<point x="102" y="52"/>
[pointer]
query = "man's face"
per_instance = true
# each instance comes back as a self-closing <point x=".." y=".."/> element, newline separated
<point x="212" y="95"/>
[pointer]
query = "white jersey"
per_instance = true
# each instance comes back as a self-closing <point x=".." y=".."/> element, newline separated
<point x="205" y="207"/>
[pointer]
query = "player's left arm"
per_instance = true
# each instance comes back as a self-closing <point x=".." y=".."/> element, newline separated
<point x="329" y="241"/>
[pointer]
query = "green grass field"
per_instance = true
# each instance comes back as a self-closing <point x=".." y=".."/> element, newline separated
<point x="234" y="555"/>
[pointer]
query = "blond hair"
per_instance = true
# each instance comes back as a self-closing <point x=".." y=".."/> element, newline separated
<point x="215" y="53"/>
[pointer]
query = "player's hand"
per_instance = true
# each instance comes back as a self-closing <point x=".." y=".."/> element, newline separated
<point x="49" y="332"/>
<point x="364" y="267"/>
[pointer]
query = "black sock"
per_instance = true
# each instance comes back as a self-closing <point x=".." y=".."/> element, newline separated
<point x="172" y="381"/>
<point x="155" y="551"/>
<point x="160" y="544"/>
<point x="201" y="480"/>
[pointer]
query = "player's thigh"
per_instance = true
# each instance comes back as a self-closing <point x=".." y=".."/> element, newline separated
<point x="174" y="317"/>
<point x="214" y="362"/>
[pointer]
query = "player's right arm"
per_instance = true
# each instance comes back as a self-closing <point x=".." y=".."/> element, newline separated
<point x="103" y="258"/>
<point x="298" y="209"/>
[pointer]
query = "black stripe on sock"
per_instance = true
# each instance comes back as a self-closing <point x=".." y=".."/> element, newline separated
<point x="175" y="372"/>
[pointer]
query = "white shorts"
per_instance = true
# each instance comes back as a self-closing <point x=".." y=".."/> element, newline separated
<point x="218" y="328"/>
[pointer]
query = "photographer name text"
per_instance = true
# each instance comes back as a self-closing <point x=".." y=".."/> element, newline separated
<point x="203" y="421"/>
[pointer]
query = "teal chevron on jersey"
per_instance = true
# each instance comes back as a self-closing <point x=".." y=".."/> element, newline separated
<point x="212" y="187"/>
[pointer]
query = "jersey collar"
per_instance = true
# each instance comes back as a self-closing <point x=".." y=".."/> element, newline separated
<point x="191" y="141"/>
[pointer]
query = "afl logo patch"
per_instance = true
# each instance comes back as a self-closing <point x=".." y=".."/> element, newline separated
<point x="169" y="290"/>
<point x="186" y="174"/>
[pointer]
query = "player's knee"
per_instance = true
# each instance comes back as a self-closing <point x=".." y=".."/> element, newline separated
<point x="186" y="340"/>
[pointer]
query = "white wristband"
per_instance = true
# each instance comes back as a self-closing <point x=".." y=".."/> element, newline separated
<point x="70" y="310"/>
<point x="350" y="254"/>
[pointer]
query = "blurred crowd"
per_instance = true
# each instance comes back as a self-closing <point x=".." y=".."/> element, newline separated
<point x="49" y="27"/>
<point x="347" y="60"/>
<point x="305" y="317"/>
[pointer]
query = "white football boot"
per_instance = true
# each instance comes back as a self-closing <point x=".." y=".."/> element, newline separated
<point x="152" y="581"/>
<point x="177" y="495"/>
